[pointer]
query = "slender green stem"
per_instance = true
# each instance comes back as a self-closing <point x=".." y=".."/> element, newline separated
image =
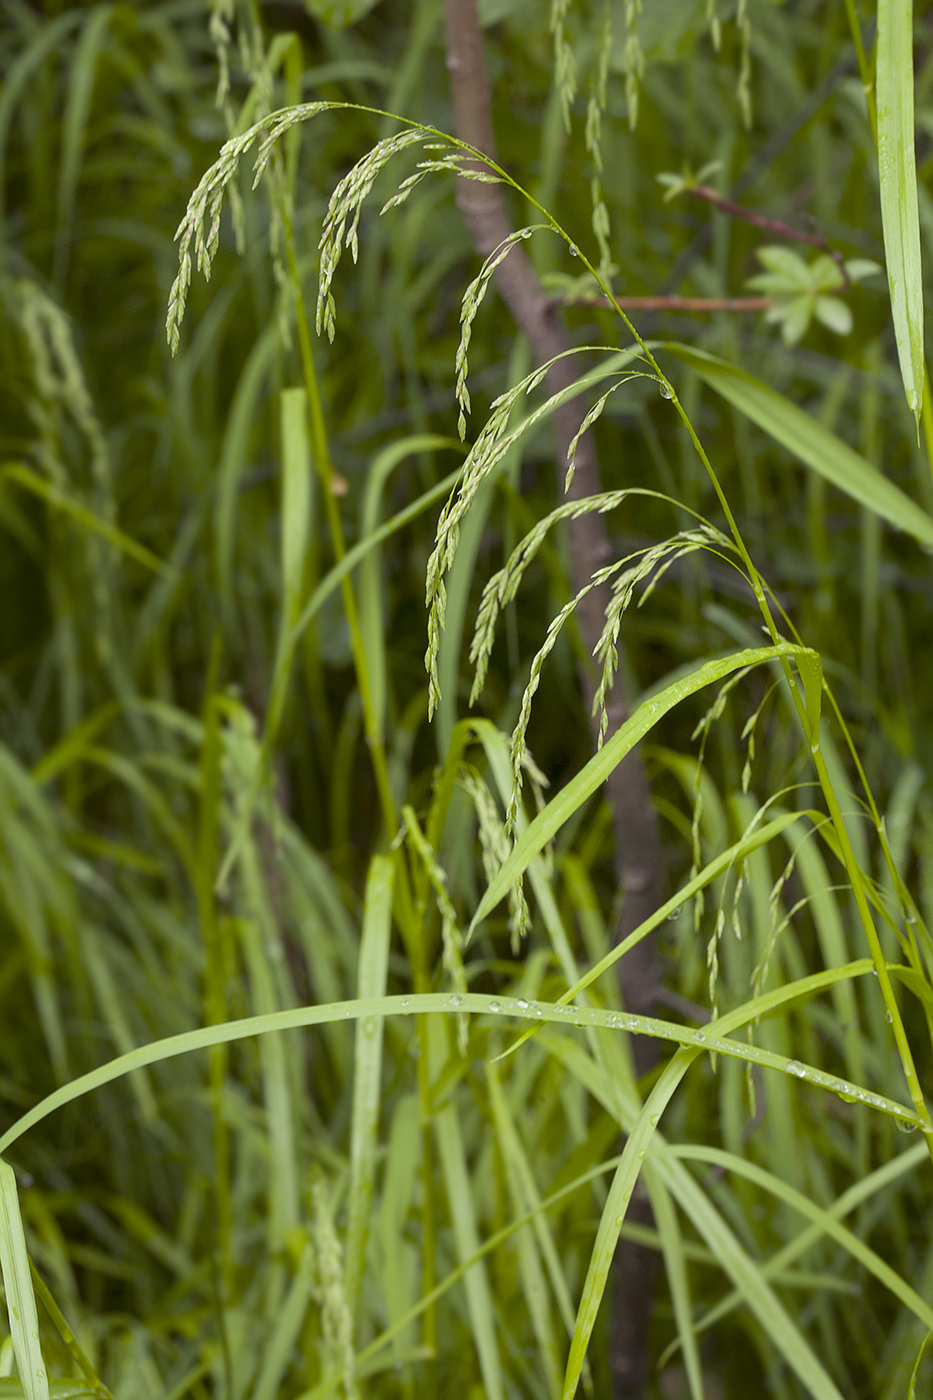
<point x="864" y="66"/>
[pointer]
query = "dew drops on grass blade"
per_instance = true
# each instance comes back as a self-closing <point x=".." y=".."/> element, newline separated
<point x="897" y="170"/>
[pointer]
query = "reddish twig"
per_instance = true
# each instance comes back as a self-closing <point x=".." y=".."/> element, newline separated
<point x="671" y="303"/>
<point x="796" y="235"/>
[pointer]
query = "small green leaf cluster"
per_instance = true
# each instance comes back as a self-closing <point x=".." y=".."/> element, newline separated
<point x="802" y="290"/>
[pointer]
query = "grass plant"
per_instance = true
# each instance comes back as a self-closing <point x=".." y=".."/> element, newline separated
<point x="316" y="1071"/>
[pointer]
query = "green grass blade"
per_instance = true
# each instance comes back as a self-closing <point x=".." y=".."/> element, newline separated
<point x="373" y="973"/>
<point x="19" y="74"/>
<point x="399" y="1176"/>
<point x="279" y="1350"/>
<point x="38" y="486"/>
<point x="234" y="454"/>
<point x="525" y="1200"/>
<point x="675" y="1264"/>
<point x="474" y="1003"/>
<point x="913" y="1379"/>
<point x="827" y="1223"/>
<point x="809" y="440"/>
<point x="613" y="1215"/>
<point x="466" y="1234"/>
<point x="297" y="486"/>
<point x="74" y="127"/>
<point x="897" y="171"/>
<point x="20" y="1297"/>
<point x="371" y="586"/>
<point x="757" y="1293"/>
<point x="862" y="1191"/>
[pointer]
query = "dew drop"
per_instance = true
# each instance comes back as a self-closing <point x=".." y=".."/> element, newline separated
<point x="795" y="1067"/>
<point x="905" y="1125"/>
<point x="699" y="1037"/>
<point x="405" y="1003"/>
<point x="655" y="1119"/>
<point x="494" y="1006"/>
<point x="522" y="1004"/>
<point x="632" y="1023"/>
<point x="889" y="1018"/>
<point x="574" y="251"/>
<point x="665" y="391"/>
<point x="456" y="1001"/>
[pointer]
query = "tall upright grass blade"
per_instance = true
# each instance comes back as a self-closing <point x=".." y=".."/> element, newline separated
<point x="20" y="1297"/>
<point x="88" y="519"/>
<point x="373" y="972"/>
<point x="74" y="127"/>
<point x="466" y="1234"/>
<point x="897" y="171"/>
<point x="285" y="1334"/>
<point x="297" y="488"/>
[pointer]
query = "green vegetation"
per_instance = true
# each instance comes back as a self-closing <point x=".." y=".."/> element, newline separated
<point x="327" y="1063"/>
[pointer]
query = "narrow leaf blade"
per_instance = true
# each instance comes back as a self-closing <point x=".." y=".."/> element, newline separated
<point x="809" y="440"/>
<point x="20" y="1298"/>
<point x="897" y="171"/>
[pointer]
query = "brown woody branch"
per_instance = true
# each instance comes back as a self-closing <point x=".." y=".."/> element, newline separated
<point x="637" y="851"/>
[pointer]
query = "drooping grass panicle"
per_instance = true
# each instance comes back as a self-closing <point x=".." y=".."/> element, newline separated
<point x="502" y="587"/>
<point x="702" y="732"/>
<point x="451" y="936"/>
<point x="330" y="1291"/>
<point x="590" y="418"/>
<point x="778" y="920"/>
<point x="652" y="564"/>
<point x="206" y="203"/>
<point x="596" y="106"/>
<point x="623" y="589"/>
<point x="491" y="447"/>
<point x="565" y="60"/>
<point x="223" y="14"/>
<point x="221" y="19"/>
<point x="472" y="300"/>
<point x="341" y="222"/>
<point x="496" y="848"/>
<point x="60" y="384"/>
<point x="748" y="735"/>
<point x="634" y="60"/>
<point x="461" y="162"/>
